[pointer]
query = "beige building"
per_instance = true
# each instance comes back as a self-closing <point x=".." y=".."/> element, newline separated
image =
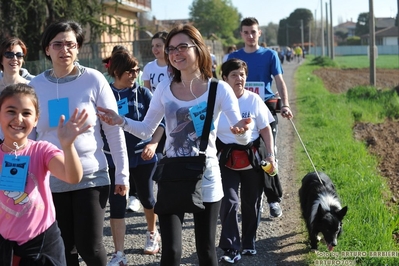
<point x="123" y="14"/>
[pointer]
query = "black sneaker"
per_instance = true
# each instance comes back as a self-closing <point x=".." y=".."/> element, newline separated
<point x="248" y="252"/>
<point x="231" y="256"/>
<point x="275" y="210"/>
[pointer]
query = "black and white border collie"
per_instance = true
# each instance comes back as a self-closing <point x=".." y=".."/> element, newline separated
<point x="321" y="209"/>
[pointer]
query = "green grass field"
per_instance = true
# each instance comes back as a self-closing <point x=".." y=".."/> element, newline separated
<point x="325" y="123"/>
<point x="382" y="61"/>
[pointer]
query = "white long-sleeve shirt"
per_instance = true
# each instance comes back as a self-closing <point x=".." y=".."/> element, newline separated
<point x="87" y="91"/>
<point x="181" y="139"/>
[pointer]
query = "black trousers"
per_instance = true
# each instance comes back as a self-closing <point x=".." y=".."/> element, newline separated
<point x="80" y="216"/>
<point x="46" y="249"/>
<point x="272" y="185"/>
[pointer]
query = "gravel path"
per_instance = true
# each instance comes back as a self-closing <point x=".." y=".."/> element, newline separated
<point x="280" y="241"/>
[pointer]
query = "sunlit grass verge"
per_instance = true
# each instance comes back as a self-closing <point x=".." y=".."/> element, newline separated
<point x="382" y="61"/>
<point x="325" y="123"/>
<point x="372" y="105"/>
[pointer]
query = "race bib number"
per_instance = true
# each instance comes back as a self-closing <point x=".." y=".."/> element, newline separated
<point x="257" y="87"/>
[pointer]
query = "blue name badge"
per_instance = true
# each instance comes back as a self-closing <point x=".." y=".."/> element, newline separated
<point x="198" y="114"/>
<point x="14" y="173"/>
<point x="57" y="108"/>
<point x="123" y="107"/>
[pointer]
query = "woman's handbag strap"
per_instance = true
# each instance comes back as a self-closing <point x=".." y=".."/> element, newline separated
<point x="209" y="115"/>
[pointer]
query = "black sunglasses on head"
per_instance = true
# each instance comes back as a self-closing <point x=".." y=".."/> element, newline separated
<point x="10" y="55"/>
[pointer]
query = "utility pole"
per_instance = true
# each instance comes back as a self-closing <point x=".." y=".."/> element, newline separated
<point x="310" y="32"/>
<point x="372" y="45"/>
<point x="328" y="32"/>
<point x="302" y="47"/>
<point x="397" y="17"/>
<point x="322" y="28"/>
<point x="316" y="41"/>
<point x="331" y="33"/>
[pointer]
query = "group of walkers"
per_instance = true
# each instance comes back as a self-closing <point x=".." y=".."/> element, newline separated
<point x="72" y="141"/>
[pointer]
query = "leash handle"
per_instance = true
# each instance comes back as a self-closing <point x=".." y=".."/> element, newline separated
<point x="303" y="145"/>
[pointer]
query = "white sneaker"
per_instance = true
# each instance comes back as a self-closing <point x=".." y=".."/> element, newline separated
<point x="118" y="259"/>
<point x="134" y="204"/>
<point x="151" y="245"/>
<point x="275" y="210"/>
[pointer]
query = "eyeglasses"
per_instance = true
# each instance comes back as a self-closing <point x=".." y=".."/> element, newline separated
<point x="181" y="48"/>
<point x="60" y="45"/>
<point x="133" y="71"/>
<point x="10" y="55"/>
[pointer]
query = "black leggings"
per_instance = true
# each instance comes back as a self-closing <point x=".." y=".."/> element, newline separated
<point x="80" y="216"/>
<point x="205" y="223"/>
<point x="141" y="179"/>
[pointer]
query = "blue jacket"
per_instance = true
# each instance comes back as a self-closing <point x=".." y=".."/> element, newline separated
<point x="138" y="102"/>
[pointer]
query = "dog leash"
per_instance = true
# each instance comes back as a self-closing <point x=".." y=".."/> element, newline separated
<point x="306" y="151"/>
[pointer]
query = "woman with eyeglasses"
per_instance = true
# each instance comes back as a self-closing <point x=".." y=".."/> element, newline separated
<point x="133" y="102"/>
<point x="190" y="63"/>
<point x="12" y="53"/>
<point x="80" y="208"/>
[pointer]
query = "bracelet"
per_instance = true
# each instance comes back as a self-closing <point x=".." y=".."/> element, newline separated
<point x="285" y="106"/>
<point x="269" y="155"/>
<point x="123" y="123"/>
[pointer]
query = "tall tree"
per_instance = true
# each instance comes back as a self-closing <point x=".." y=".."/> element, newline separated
<point x="269" y="33"/>
<point x="294" y="20"/>
<point x="282" y="34"/>
<point x="362" y="24"/>
<point x="290" y="31"/>
<point x="27" y="19"/>
<point x="215" y="17"/>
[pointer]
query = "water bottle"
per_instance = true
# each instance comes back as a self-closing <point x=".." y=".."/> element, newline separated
<point x="267" y="166"/>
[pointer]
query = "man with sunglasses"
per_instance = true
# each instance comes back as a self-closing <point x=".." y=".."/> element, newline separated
<point x="12" y="53"/>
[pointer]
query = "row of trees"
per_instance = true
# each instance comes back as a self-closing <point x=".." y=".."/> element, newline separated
<point x="221" y="18"/>
<point x="27" y="19"/>
<point x="217" y="19"/>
